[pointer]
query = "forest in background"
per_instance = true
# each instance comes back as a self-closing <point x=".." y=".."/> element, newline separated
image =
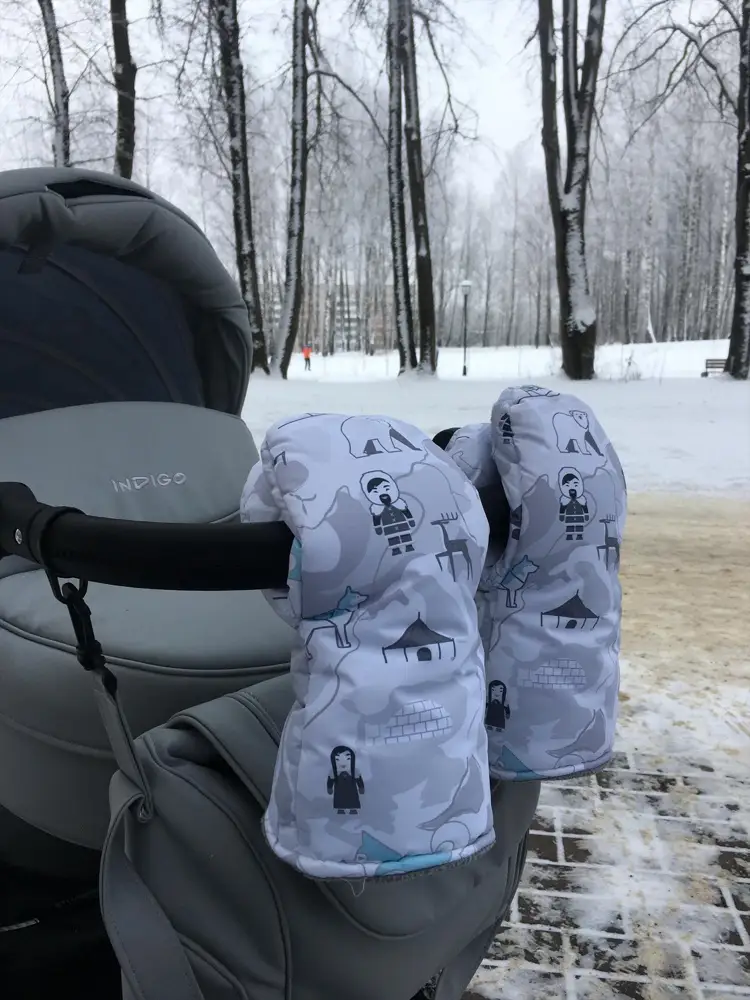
<point x="169" y="92"/>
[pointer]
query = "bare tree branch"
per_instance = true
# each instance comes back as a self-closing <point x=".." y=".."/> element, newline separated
<point x="315" y="71"/>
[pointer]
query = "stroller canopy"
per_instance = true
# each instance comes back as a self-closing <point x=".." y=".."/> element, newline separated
<point x="109" y="293"/>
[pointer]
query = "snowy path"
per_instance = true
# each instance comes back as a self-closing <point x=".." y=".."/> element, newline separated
<point x="670" y="916"/>
<point x="638" y="881"/>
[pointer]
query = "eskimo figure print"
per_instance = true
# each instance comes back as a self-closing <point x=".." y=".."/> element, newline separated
<point x="391" y="516"/>
<point x="383" y="767"/>
<point x="550" y="603"/>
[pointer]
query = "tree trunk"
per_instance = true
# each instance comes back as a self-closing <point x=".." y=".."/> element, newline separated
<point x="295" y="235"/>
<point x="513" y="267"/>
<point x="407" y="355"/>
<point x="367" y="309"/>
<point x="441" y="305"/>
<point x="647" y="253"/>
<point x="233" y="90"/>
<point x="538" y="316"/>
<point x="418" y="196"/>
<point x="309" y="297"/>
<point x="568" y="198"/>
<point x="60" y="92"/>
<point x="344" y="317"/>
<point x="627" y="309"/>
<point x="124" y="77"/>
<point x="738" y="359"/>
<point x="331" y="310"/>
<point x="548" y="309"/>
<point x="487" y="299"/>
<point x="718" y="283"/>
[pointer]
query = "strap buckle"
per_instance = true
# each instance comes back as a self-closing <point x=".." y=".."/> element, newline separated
<point x="88" y="648"/>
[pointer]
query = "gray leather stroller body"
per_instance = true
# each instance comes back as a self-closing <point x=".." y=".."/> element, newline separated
<point x="124" y="362"/>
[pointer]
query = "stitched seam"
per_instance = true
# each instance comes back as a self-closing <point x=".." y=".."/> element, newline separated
<point x="156" y="668"/>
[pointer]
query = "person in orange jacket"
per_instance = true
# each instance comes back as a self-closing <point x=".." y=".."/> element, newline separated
<point x="306" y="354"/>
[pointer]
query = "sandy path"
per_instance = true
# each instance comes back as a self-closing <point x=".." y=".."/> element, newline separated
<point x="686" y="586"/>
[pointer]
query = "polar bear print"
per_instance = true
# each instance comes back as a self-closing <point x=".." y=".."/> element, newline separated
<point x="537" y="391"/>
<point x="368" y="436"/>
<point x="573" y="434"/>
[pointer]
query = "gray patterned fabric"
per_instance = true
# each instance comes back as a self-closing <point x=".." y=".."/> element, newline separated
<point x="382" y="768"/>
<point x="550" y="603"/>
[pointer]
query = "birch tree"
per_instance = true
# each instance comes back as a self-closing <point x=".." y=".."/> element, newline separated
<point x="397" y="210"/>
<point x="292" y="301"/>
<point x="59" y="95"/>
<point x="124" y="75"/>
<point x="699" y="43"/>
<point x="567" y="189"/>
<point x="738" y="359"/>
<point x="417" y="194"/>
<point x="226" y="22"/>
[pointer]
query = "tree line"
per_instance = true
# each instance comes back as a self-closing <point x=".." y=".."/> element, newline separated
<point x="352" y="226"/>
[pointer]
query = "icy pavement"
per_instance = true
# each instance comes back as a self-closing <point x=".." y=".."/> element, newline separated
<point x="638" y="878"/>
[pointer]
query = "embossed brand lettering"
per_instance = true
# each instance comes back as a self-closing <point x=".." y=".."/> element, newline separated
<point x="136" y="483"/>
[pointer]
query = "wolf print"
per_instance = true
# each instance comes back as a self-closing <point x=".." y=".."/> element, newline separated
<point x="338" y="618"/>
<point x="515" y="580"/>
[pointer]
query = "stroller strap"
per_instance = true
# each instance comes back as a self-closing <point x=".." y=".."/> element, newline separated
<point x="143" y="938"/>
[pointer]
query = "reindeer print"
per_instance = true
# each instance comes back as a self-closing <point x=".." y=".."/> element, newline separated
<point x="506" y="428"/>
<point x="337" y="618"/>
<point x="611" y="541"/>
<point x="453" y="546"/>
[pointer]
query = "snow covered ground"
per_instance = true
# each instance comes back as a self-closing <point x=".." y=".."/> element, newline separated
<point x="638" y="882"/>
<point x="673" y="432"/>
<point x="613" y="361"/>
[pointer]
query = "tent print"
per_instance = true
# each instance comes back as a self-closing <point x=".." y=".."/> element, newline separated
<point x="420" y="642"/>
<point x="572" y="614"/>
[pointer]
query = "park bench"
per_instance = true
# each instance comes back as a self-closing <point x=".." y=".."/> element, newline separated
<point x="713" y="365"/>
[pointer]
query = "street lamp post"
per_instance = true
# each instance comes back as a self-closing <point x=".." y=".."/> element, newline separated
<point x="465" y="288"/>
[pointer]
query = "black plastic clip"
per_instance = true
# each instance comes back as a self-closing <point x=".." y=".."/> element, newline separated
<point x="88" y="648"/>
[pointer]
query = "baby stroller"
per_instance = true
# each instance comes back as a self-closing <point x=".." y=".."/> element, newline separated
<point x="124" y="362"/>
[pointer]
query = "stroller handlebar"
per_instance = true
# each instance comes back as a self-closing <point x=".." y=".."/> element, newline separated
<point x="154" y="555"/>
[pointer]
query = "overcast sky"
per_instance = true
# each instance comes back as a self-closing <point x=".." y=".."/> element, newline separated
<point x="489" y="70"/>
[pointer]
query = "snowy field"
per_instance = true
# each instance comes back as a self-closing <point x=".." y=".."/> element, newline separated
<point x="638" y="881"/>
<point x="674" y="431"/>
<point x="613" y="361"/>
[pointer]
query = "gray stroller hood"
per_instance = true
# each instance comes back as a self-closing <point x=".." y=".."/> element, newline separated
<point x="124" y="361"/>
<point x="110" y="293"/>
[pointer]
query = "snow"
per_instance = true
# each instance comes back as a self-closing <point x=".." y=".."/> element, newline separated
<point x="674" y="431"/>
<point x="638" y="878"/>
<point x="613" y="361"/>
<point x="646" y="886"/>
